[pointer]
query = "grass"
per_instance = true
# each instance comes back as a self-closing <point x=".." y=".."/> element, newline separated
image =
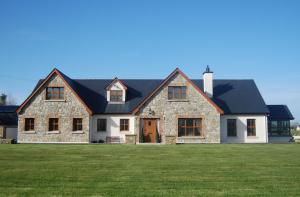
<point x="128" y="170"/>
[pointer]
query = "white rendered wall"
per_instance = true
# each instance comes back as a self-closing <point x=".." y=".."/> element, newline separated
<point x="208" y="83"/>
<point x="113" y="127"/>
<point x="117" y="86"/>
<point x="241" y="121"/>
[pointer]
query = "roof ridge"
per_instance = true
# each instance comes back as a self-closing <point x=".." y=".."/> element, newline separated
<point x="118" y="78"/>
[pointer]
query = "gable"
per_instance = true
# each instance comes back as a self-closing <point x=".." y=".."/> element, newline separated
<point x="54" y="79"/>
<point x="177" y="77"/>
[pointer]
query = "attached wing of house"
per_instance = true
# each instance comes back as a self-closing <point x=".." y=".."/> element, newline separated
<point x="8" y="122"/>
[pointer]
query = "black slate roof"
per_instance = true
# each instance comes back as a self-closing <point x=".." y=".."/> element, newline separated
<point x="237" y="96"/>
<point x="232" y="96"/>
<point x="8" y="115"/>
<point x="279" y="112"/>
<point x="93" y="93"/>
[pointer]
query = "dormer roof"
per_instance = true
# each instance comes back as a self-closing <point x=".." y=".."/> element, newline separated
<point x="115" y="80"/>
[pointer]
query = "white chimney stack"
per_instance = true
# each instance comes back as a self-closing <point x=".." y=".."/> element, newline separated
<point x="208" y="82"/>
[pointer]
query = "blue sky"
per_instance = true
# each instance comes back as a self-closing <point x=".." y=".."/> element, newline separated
<point x="148" y="39"/>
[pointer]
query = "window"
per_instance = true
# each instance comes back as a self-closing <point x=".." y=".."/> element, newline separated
<point x="77" y="124"/>
<point x="29" y="124"/>
<point x="176" y="92"/>
<point x="55" y="93"/>
<point x="116" y="95"/>
<point x="101" y="124"/>
<point x="190" y="127"/>
<point x="279" y="128"/>
<point x="53" y="124"/>
<point x="231" y="127"/>
<point x="124" y="124"/>
<point x="251" y="127"/>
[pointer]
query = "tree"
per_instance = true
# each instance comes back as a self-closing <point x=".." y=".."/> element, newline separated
<point x="7" y="100"/>
<point x="3" y="98"/>
<point x="11" y="100"/>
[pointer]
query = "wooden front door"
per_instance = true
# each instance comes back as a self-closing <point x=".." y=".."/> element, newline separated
<point x="150" y="126"/>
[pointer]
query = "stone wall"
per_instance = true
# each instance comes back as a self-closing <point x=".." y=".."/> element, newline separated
<point x="170" y="139"/>
<point x="195" y="106"/>
<point x="130" y="139"/>
<point x="41" y="110"/>
<point x="2" y="132"/>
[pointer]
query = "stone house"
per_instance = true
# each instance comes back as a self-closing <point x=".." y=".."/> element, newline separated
<point x="168" y="111"/>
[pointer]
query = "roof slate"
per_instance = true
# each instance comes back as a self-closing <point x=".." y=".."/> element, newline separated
<point x="232" y="96"/>
<point x="8" y="115"/>
<point x="280" y="112"/>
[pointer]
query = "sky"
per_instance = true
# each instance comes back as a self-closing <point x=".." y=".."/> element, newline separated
<point x="257" y="40"/>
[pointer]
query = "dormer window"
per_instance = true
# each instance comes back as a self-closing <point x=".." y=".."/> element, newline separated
<point x="55" y="93"/>
<point x="116" y="92"/>
<point x="116" y="95"/>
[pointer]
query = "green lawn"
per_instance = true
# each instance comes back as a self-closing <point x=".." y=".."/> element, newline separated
<point x="128" y="170"/>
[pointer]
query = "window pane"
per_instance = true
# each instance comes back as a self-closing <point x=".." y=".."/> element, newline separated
<point x="181" y="122"/>
<point x="197" y="131"/>
<point x="77" y="124"/>
<point x="183" y="96"/>
<point x="177" y="92"/>
<point x="190" y="132"/>
<point x="53" y="124"/>
<point x="190" y="122"/>
<point x="170" y="92"/>
<point x="231" y="127"/>
<point x="29" y="124"/>
<point x="189" y="127"/>
<point x="101" y="124"/>
<point x="181" y="131"/>
<point x="116" y="95"/>
<point x="124" y="124"/>
<point x="251" y="130"/>
<point x="197" y="122"/>
<point x="54" y="93"/>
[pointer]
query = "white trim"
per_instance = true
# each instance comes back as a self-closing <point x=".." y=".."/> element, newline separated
<point x="28" y="132"/>
<point x="77" y="132"/>
<point x="53" y="132"/>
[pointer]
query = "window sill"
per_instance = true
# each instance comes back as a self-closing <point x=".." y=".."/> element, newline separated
<point x="116" y="102"/>
<point x="178" y="100"/>
<point x="53" y="132"/>
<point x="192" y="137"/>
<point x="101" y="131"/>
<point x="59" y="100"/>
<point x="29" y="132"/>
<point x="232" y="136"/>
<point x="77" y="132"/>
<point x="252" y="137"/>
